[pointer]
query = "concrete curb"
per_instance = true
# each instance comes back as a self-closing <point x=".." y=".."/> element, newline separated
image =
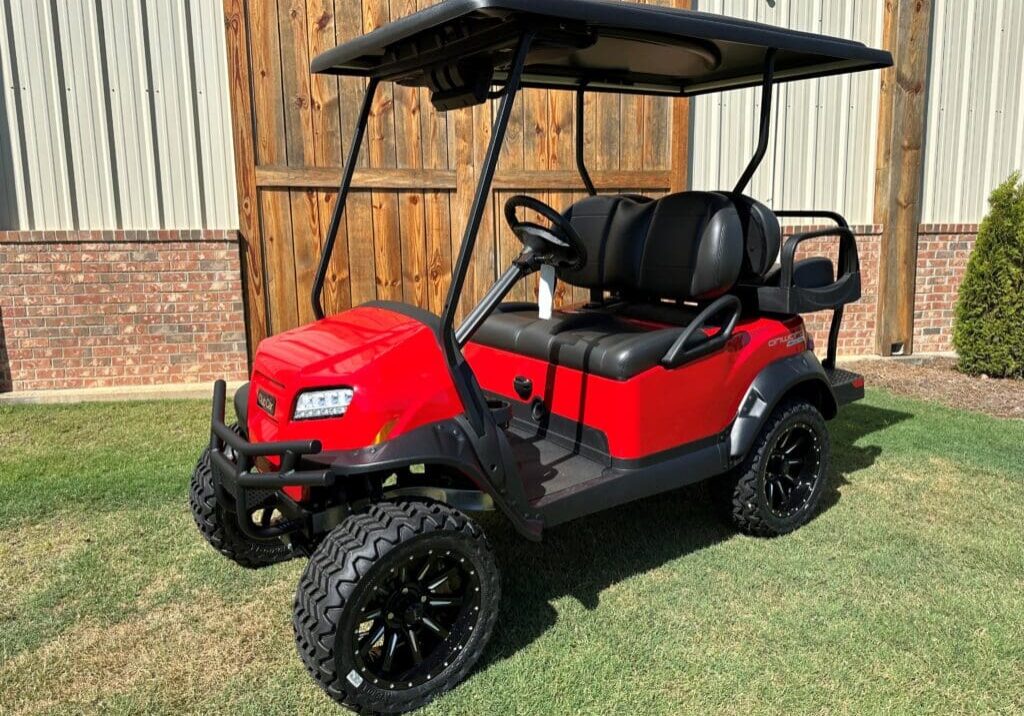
<point x="118" y="393"/>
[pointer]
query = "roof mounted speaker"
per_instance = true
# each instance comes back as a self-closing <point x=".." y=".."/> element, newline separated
<point x="461" y="84"/>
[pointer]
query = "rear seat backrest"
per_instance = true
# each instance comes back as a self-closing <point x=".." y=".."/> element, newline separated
<point x="762" y="236"/>
<point x="686" y="246"/>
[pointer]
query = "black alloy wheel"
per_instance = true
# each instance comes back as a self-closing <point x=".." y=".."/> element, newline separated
<point x="792" y="469"/>
<point x="416" y="618"/>
<point x="779" y="484"/>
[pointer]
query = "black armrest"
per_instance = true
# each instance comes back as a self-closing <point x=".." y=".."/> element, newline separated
<point x="692" y="343"/>
<point x="849" y="262"/>
<point x="848" y="259"/>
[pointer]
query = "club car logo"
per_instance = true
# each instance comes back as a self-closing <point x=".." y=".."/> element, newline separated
<point x="789" y="340"/>
<point x="266" y="401"/>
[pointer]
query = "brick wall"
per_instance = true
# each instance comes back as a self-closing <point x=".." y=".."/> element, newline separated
<point x="943" y="250"/>
<point x="92" y="309"/>
<point x="942" y="253"/>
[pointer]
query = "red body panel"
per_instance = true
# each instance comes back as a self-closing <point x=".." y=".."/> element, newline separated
<point x="400" y="381"/>
<point x="658" y="409"/>
<point x="393" y="364"/>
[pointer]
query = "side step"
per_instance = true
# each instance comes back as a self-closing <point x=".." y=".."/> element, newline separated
<point x="562" y="484"/>
<point x="847" y="385"/>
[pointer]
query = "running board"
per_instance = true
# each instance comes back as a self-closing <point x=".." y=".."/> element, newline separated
<point x="847" y="386"/>
<point x="562" y="484"/>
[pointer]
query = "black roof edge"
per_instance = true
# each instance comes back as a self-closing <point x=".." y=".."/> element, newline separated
<point x="360" y="56"/>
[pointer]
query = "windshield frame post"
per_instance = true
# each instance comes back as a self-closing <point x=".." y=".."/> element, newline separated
<point x="480" y="197"/>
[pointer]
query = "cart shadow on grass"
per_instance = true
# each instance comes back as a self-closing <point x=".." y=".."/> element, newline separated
<point x="584" y="558"/>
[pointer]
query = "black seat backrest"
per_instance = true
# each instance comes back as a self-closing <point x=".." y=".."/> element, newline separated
<point x="686" y="246"/>
<point x="762" y="236"/>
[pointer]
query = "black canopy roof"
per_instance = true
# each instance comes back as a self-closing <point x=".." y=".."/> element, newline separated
<point x="604" y="45"/>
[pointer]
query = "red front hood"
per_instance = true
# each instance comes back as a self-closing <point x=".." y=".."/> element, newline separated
<point x="392" y="362"/>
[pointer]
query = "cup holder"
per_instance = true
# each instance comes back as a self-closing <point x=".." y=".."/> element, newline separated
<point x="501" y="411"/>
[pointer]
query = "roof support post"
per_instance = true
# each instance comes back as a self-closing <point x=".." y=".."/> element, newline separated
<point x="476" y="211"/>
<point x="581" y="164"/>
<point x="339" y="203"/>
<point x="766" y="122"/>
<point x="899" y="171"/>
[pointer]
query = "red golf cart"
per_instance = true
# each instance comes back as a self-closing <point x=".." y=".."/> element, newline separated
<point x="364" y="438"/>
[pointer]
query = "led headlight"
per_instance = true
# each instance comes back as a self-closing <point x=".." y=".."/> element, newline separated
<point x="322" y="403"/>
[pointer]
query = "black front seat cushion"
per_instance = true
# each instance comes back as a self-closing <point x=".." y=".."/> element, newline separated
<point x="686" y="246"/>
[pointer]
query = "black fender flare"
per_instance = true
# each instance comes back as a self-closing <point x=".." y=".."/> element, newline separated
<point x="769" y="387"/>
<point x="448" y="443"/>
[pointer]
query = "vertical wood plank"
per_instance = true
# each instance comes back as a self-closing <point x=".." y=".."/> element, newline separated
<point x="607" y="119"/>
<point x="562" y="155"/>
<point x="240" y="87"/>
<point x="460" y="146"/>
<point x="508" y="246"/>
<point x="482" y="267"/>
<point x="321" y="33"/>
<point x="382" y="153"/>
<point x="271" y="148"/>
<point x="437" y="205"/>
<point x="358" y="211"/>
<point x="535" y="151"/>
<point x="301" y="141"/>
<point x="409" y="154"/>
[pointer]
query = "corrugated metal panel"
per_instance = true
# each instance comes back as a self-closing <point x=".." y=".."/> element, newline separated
<point x="114" y="114"/>
<point x="975" y="133"/>
<point x="822" y="148"/>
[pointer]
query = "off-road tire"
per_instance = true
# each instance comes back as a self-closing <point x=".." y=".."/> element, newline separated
<point x="219" y="526"/>
<point x="742" y="492"/>
<point x="347" y="564"/>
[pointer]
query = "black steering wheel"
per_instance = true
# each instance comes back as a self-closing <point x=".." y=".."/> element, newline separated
<point x="558" y="245"/>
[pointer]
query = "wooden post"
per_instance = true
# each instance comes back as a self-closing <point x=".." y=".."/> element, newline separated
<point x="240" y="87"/>
<point x="898" y="173"/>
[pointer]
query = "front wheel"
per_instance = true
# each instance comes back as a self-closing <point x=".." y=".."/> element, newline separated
<point x="779" y="486"/>
<point x="396" y="605"/>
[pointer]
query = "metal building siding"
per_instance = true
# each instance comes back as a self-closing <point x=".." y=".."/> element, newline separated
<point x="822" y="148"/>
<point x="975" y="135"/>
<point x="115" y="114"/>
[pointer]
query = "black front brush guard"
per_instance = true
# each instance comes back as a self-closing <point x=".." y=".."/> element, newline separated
<point x="232" y="459"/>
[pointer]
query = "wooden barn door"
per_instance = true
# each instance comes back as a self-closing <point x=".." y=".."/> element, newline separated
<point x="417" y="168"/>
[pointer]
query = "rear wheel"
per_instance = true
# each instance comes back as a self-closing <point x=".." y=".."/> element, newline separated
<point x="219" y="526"/>
<point x="396" y="605"/>
<point x="778" y="487"/>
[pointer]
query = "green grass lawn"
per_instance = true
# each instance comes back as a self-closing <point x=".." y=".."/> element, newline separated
<point x="905" y="595"/>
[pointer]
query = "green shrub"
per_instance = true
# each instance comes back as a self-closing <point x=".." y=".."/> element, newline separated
<point x="988" y="332"/>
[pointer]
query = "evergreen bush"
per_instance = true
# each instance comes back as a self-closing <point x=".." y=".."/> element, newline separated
<point x="988" y="331"/>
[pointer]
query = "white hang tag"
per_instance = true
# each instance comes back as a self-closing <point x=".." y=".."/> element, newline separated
<point x="546" y="294"/>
